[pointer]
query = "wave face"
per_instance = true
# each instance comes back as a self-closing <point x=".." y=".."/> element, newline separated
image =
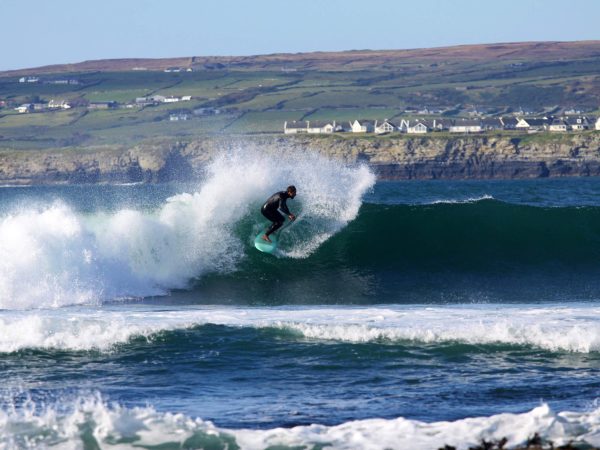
<point x="53" y="255"/>
<point x="480" y="233"/>
<point x="339" y="251"/>
<point x="473" y="250"/>
<point x="91" y="423"/>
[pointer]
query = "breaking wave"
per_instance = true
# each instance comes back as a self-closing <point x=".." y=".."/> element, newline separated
<point x="90" y="422"/>
<point x="53" y="255"/>
<point x="556" y="329"/>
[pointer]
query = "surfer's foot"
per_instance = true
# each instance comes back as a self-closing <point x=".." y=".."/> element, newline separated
<point x="266" y="238"/>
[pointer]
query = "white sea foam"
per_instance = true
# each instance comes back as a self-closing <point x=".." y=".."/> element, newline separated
<point x="52" y="255"/>
<point x="464" y="200"/>
<point x="462" y="434"/>
<point x="92" y="423"/>
<point x="572" y="329"/>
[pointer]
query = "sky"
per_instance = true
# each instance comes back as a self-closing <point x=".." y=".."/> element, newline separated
<point x="42" y="32"/>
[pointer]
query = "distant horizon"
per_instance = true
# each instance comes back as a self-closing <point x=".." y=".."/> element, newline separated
<point x="142" y="58"/>
<point x="154" y="29"/>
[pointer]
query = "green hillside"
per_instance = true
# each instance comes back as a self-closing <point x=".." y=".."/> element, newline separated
<point x="257" y="94"/>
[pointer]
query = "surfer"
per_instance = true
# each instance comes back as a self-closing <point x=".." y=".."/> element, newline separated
<point x="271" y="209"/>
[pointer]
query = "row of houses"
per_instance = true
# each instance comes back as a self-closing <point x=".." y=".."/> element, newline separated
<point x="422" y="126"/>
<point x="156" y="99"/>
<point x="63" y="104"/>
<point x="51" y="105"/>
<point x="178" y="69"/>
<point x="69" y="81"/>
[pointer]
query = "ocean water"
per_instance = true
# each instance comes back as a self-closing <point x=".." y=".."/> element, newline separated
<point x="395" y="315"/>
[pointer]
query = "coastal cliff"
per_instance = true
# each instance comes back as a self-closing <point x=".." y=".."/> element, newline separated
<point x="392" y="157"/>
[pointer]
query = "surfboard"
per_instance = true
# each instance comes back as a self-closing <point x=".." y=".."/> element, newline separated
<point x="264" y="246"/>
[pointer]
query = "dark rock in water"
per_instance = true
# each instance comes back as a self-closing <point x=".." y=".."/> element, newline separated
<point x="175" y="168"/>
<point x="534" y="443"/>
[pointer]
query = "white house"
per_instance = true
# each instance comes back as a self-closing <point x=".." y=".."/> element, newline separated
<point x="598" y="123"/>
<point x="532" y="124"/>
<point x="418" y="127"/>
<point x="171" y="99"/>
<point x="24" y="108"/>
<point x="558" y="125"/>
<point x="385" y="127"/>
<point x="362" y="126"/>
<point x="295" y="127"/>
<point x="186" y="98"/>
<point x="319" y="126"/>
<point x="58" y="104"/>
<point x="466" y="126"/>
<point x="578" y="123"/>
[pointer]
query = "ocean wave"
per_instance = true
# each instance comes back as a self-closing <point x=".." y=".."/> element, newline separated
<point x="52" y="255"/>
<point x="92" y="423"/>
<point x="470" y="237"/>
<point x="340" y="250"/>
<point x="555" y="329"/>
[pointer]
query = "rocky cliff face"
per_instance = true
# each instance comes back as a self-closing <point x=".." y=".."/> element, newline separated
<point x="449" y="157"/>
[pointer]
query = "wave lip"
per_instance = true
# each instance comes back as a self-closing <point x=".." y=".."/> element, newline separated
<point x="91" y="422"/>
<point x="556" y="329"/>
<point x="462" y="200"/>
<point x="522" y="328"/>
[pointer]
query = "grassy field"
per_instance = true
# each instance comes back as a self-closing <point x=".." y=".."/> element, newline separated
<point x="50" y="119"/>
<point x="347" y="115"/>
<point x="263" y="122"/>
<point x="257" y="94"/>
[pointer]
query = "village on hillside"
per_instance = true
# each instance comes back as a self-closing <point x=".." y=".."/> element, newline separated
<point x="460" y="125"/>
<point x="417" y="122"/>
<point x="54" y="104"/>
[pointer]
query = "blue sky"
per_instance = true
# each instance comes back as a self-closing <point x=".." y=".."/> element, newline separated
<point x="40" y="32"/>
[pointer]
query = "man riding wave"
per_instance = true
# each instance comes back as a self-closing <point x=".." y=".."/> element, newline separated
<point x="271" y="208"/>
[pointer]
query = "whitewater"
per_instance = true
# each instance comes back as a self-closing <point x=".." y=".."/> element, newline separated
<point x="116" y="427"/>
<point x="51" y="255"/>
<point x="570" y="329"/>
<point x="395" y="315"/>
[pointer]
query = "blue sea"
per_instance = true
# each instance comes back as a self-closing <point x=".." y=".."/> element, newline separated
<point x="395" y="315"/>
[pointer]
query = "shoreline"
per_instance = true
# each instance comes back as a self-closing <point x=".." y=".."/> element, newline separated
<point x="391" y="157"/>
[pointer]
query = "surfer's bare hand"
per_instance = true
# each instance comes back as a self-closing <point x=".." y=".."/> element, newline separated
<point x="292" y="217"/>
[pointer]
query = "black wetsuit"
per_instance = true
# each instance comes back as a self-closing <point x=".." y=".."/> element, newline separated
<point x="270" y="210"/>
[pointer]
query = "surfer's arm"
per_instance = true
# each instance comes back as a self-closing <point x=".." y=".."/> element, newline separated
<point x="283" y="207"/>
